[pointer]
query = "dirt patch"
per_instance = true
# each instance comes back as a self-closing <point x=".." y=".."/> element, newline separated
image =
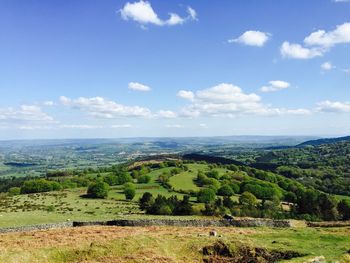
<point x="220" y="252"/>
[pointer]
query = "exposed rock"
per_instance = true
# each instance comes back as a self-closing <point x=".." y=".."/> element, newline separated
<point x="213" y="233"/>
<point x="320" y="259"/>
<point x="220" y="252"/>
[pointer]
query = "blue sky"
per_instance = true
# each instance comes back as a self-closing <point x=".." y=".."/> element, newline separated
<point x="89" y="68"/>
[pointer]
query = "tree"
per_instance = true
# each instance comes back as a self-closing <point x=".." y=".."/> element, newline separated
<point x="39" y="186"/>
<point x="98" y="190"/>
<point x="183" y="207"/>
<point x="144" y="179"/>
<point x="248" y="199"/>
<point x="129" y="191"/>
<point x="146" y="201"/>
<point x="213" y="174"/>
<point x="124" y="177"/>
<point x="344" y="209"/>
<point x="225" y="190"/>
<point x="206" y="195"/>
<point x="111" y="179"/>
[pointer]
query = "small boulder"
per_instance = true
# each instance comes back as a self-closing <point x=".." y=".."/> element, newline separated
<point x="213" y="233"/>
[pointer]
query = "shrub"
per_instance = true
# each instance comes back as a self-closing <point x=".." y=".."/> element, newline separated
<point x="225" y="190"/>
<point x="111" y="179"/>
<point x="14" y="191"/>
<point x="124" y="177"/>
<point x="144" y="179"/>
<point x="248" y="199"/>
<point x="166" y="206"/>
<point x="206" y="195"/>
<point x="146" y="201"/>
<point x="39" y="186"/>
<point x="344" y="209"/>
<point x="129" y="191"/>
<point x="98" y="190"/>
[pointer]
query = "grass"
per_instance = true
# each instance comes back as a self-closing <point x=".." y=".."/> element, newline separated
<point x="165" y="244"/>
<point x="184" y="181"/>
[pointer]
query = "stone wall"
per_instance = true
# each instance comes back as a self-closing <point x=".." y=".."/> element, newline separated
<point x="241" y="222"/>
<point x="36" y="227"/>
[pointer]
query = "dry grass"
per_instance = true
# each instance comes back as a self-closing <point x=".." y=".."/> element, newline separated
<point x="163" y="244"/>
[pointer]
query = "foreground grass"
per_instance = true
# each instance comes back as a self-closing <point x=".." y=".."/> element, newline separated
<point x="165" y="244"/>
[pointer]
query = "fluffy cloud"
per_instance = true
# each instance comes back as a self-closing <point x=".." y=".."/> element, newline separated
<point x="185" y="94"/>
<point x="229" y="100"/>
<point x="138" y="86"/>
<point x="103" y="108"/>
<point x="327" y="66"/>
<point x="48" y="103"/>
<point x="252" y="38"/>
<point x="25" y="113"/>
<point x="275" y="85"/>
<point x="333" y="106"/>
<point x="80" y="126"/>
<point x="341" y="35"/>
<point x="123" y="126"/>
<point x="176" y="126"/>
<point x="317" y="43"/>
<point x="297" y="51"/>
<point x="166" y="114"/>
<point x="143" y="13"/>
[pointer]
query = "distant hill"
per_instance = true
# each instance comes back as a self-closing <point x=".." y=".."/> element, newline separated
<point x="324" y="141"/>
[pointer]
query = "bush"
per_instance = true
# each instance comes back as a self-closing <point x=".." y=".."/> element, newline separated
<point x="248" y="199"/>
<point x="124" y="177"/>
<point x="129" y="191"/>
<point x="225" y="190"/>
<point x="344" y="209"/>
<point x="166" y="206"/>
<point x="144" y="179"/>
<point x="111" y="179"/>
<point x="98" y="190"/>
<point x="39" y="186"/>
<point x="146" y="201"/>
<point x="206" y="195"/>
<point x="14" y="191"/>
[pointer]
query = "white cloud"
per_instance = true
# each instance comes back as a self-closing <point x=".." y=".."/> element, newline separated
<point x="123" y="126"/>
<point x="346" y="70"/>
<point x="166" y="114"/>
<point x="185" y="94"/>
<point x="252" y="38"/>
<point x="102" y="108"/>
<point x="192" y="13"/>
<point x="176" y="126"/>
<point x="341" y="35"/>
<point x="35" y="127"/>
<point x="317" y="43"/>
<point x="138" y="86"/>
<point x="289" y="50"/>
<point x="143" y="13"/>
<point x="80" y="126"/>
<point x="333" y="106"/>
<point x="49" y="103"/>
<point x="327" y="66"/>
<point x="203" y="125"/>
<point x="229" y="100"/>
<point x="275" y="85"/>
<point x="341" y="1"/>
<point x="26" y="113"/>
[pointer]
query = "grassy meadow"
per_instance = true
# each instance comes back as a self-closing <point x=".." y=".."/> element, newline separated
<point x="167" y="244"/>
